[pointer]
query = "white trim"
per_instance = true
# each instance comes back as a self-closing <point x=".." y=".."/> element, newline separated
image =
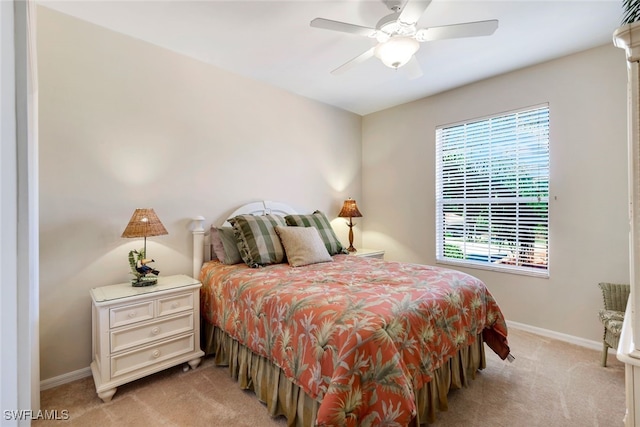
<point x="627" y="351"/>
<point x="198" y="245"/>
<point x="264" y="207"/>
<point x="28" y="232"/>
<point x="593" y="345"/>
<point x="501" y="268"/>
<point x="19" y="364"/>
<point x="9" y="328"/>
<point x="65" y="378"/>
<point x="493" y="116"/>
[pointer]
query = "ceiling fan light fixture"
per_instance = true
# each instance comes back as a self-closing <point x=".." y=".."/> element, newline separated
<point x="382" y="37"/>
<point x="397" y="51"/>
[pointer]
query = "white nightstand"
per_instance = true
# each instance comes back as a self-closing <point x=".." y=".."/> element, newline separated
<point x="140" y="331"/>
<point x="371" y="253"/>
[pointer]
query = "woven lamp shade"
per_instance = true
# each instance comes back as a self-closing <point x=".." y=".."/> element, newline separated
<point x="144" y="223"/>
<point x="349" y="209"/>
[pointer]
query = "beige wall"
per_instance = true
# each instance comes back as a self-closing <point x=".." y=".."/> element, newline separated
<point x="124" y="124"/>
<point x="586" y="93"/>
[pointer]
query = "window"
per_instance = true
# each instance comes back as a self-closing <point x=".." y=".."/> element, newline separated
<point x="492" y="192"/>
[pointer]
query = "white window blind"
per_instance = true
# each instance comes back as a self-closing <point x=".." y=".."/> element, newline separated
<point x="492" y="192"/>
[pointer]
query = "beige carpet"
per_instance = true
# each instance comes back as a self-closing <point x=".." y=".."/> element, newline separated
<point x="551" y="383"/>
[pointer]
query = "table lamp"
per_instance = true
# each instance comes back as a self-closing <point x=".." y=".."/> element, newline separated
<point x="143" y="223"/>
<point x="350" y="210"/>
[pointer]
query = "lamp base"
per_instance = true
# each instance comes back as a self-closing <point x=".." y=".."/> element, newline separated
<point x="351" y="249"/>
<point x="144" y="281"/>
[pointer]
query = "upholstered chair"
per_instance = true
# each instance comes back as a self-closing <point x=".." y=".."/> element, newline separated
<point x="615" y="303"/>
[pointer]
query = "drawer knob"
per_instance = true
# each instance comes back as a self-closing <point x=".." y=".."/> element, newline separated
<point x="175" y="305"/>
<point x="132" y="315"/>
<point x="155" y="330"/>
<point x="156" y="354"/>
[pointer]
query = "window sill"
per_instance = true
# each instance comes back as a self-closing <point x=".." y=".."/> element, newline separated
<point x="543" y="274"/>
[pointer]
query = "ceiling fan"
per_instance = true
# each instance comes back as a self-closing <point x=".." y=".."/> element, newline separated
<point x="398" y="37"/>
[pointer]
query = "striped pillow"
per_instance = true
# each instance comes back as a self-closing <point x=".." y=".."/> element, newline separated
<point x="319" y="221"/>
<point x="258" y="241"/>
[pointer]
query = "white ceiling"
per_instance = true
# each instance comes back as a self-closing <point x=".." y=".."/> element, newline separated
<point x="272" y="41"/>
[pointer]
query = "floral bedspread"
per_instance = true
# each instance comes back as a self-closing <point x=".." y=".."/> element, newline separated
<point x="357" y="334"/>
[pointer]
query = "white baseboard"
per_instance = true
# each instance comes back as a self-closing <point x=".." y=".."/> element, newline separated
<point x="65" y="378"/>
<point x="593" y="345"/>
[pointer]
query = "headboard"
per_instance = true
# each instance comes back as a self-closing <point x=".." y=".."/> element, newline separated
<point x="201" y="242"/>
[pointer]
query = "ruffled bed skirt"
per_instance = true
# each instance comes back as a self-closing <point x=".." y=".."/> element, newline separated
<point x="283" y="397"/>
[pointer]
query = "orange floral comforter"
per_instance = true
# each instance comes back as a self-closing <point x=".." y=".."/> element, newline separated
<point x="357" y="334"/>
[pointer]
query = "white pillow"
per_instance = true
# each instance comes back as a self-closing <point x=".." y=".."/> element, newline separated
<point x="303" y="245"/>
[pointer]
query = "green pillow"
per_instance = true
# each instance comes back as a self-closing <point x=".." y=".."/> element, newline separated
<point x="257" y="239"/>
<point x="225" y="247"/>
<point x="319" y="221"/>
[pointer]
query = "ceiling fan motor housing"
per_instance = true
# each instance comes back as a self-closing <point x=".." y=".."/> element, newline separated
<point x="390" y="26"/>
<point x="394" y="5"/>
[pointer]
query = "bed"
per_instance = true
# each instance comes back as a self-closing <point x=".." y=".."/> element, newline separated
<point x="345" y="341"/>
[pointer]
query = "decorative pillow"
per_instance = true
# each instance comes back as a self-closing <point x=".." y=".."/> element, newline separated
<point x="257" y="239"/>
<point x="223" y="241"/>
<point x="321" y="223"/>
<point x="303" y="245"/>
<point x="217" y="249"/>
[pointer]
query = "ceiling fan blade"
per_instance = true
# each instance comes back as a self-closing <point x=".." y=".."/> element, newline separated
<point x="353" y="62"/>
<point x="328" y="24"/>
<point x="413" y="10"/>
<point x="468" y="29"/>
<point x="412" y="69"/>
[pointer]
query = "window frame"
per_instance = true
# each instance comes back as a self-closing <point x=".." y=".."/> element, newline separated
<point x="465" y="201"/>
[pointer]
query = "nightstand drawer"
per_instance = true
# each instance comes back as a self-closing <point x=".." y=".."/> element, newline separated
<point x="151" y="355"/>
<point x="128" y="314"/>
<point x="123" y="339"/>
<point x="175" y="304"/>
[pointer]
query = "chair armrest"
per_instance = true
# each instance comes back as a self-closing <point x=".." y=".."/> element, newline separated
<point x="607" y="315"/>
